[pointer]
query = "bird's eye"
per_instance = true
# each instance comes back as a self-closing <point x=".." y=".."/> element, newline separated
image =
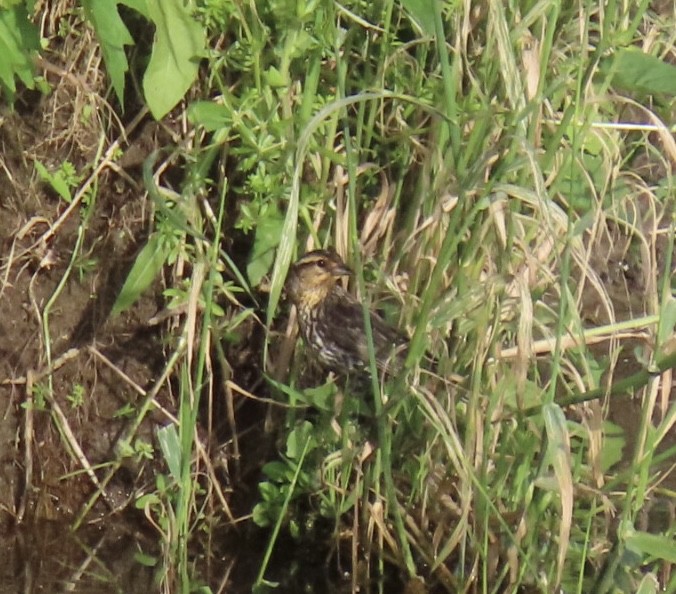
<point x="321" y="263"/>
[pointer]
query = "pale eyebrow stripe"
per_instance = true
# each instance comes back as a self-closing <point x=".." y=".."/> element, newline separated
<point x="311" y="260"/>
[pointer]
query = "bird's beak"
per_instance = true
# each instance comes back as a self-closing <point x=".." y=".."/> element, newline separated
<point x="341" y="270"/>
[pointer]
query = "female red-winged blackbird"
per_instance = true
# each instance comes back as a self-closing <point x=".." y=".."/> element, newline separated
<point x="332" y="321"/>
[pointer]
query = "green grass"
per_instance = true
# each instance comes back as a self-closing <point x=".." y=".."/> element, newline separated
<point x="482" y="146"/>
<point x="486" y="175"/>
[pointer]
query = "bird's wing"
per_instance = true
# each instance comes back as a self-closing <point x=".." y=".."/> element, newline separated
<point x="348" y="317"/>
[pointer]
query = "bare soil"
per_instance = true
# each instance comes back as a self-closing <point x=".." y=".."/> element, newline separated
<point x="104" y="359"/>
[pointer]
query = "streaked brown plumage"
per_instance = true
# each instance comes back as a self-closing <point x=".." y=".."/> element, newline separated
<point x="331" y="320"/>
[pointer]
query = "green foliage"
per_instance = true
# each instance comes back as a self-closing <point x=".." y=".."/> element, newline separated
<point x="268" y="224"/>
<point x="667" y="325"/>
<point x="287" y="481"/>
<point x="162" y="247"/>
<point x="473" y="166"/>
<point x="208" y="115"/>
<point x="299" y="444"/>
<point x="177" y="48"/>
<point x="85" y="266"/>
<point x="19" y="41"/>
<point x="633" y="70"/>
<point x="39" y="393"/>
<point x="76" y="396"/>
<point x="156" y="505"/>
<point x="493" y="165"/>
<point x="171" y="449"/>
<point x="125" y="411"/>
<point x="649" y="545"/>
<point x="143" y="450"/>
<point x="423" y="12"/>
<point x="62" y="181"/>
<point x="146" y="267"/>
<point x="113" y="35"/>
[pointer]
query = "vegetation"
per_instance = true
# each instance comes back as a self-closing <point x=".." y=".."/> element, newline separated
<point x="500" y="177"/>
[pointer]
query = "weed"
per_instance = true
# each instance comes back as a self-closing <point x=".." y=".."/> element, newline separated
<point x="500" y="178"/>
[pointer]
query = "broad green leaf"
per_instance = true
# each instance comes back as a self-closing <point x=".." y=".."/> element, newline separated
<point x="633" y="70"/>
<point x="209" y="115"/>
<point x="322" y="396"/>
<point x="648" y="585"/>
<point x="577" y="172"/>
<point x="55" y="180"/>
<point x="179" y="43"/>
<point x="655" y="545"/>
<point x="147" y="266"/>
<point x="113" y="35"/>
<point x="278" y="471"/>
<point x="260" y="516"/>
<point x="422" y="12"/>
<point x="268" y="234"/>
<point x="299" y="440"/>
<point x="171" y="448"/>
<point x="19" y="39"/>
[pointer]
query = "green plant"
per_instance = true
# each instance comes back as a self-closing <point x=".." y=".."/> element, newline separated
<point x="19" y="42"/>
<point x="476" y="167"/>
<point x="39" y="397"/>
<point x="76" y="396"/>
<point x="62" y="181"/>
<point x="177" y="48"/>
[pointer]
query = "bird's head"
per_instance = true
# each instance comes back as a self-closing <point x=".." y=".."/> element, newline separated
<point x="313" y="276"/>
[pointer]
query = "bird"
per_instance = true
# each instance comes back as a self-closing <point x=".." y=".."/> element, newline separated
<point x="331" y="320"/>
